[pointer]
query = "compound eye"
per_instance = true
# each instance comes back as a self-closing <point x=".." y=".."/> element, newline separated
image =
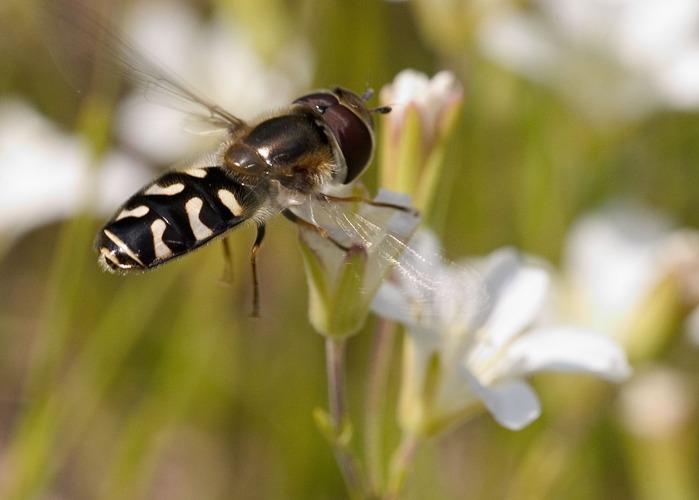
<point x="353" y="134"/>
<point x="354" y="138"/>
<point x="320" y="101"/>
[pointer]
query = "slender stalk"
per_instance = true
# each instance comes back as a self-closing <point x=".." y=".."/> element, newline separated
<point x="335" y="353"/>
<point x="401" y="464"/>
<point x="335" y="360"/>
<point x="379" y="364"/>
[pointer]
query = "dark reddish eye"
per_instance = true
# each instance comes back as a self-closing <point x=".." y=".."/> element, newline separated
<point x="353" y="134"/>
<point x="354" y="138"/>
<point x="319" y="101"/>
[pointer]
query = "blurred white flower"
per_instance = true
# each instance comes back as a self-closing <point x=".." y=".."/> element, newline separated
<point x="432" y="98"/>
<point x="463" y="349"/>
<point x="627" y="272"/>
<point x="217" y="60"/>
<point x="46" y="174"/>
<point x="658" y="403"/>
<point x="611" y="261"/>
<point x="614" y="59"/>
<point x="414" y="133"/>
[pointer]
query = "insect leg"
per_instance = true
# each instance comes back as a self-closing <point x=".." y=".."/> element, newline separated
<point x="361" y="199"/>
<point x="309" y="225"/>
<point x="227" y="277"/>
<point x="253" y="262"/>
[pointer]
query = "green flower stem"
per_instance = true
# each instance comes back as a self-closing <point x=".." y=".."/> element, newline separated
<point x="335" y="362"/>
<point x="335" y="353"/>
<point x="381" y="355"/>
<point x="401" y="464"/>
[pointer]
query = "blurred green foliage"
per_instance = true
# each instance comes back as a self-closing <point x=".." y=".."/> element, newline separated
<point x="161" y="386"/>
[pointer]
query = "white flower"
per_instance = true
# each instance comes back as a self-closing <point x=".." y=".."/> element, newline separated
<point x="463" y="348"/>
<point x="629" y="273"/>
<point x="218" y="61"/>
<point x="610" y="58"/>
<point x="611" y="262"/>
<point x="414" y="133"/>
<point x="46" y="174"/>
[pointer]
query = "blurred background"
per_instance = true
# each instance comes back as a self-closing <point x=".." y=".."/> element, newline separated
<point x="577" y="143"/>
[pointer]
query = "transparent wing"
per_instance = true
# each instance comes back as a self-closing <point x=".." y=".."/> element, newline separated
<point x="423" y="278"/>
<point x="82" y="41"/>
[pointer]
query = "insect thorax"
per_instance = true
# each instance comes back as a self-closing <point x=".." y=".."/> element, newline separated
<point x="292" y="149"/>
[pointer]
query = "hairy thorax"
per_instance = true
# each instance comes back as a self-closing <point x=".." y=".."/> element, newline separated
<point x="293" y="150"/>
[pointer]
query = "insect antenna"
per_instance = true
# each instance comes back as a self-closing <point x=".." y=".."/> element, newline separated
<point x="381" y="110"/>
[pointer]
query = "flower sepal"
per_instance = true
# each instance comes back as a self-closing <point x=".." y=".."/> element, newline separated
<point x="335" y="307"/>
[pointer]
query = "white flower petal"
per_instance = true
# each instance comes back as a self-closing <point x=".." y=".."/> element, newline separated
<point x="431" y="97"/>
<point x="391" y="303"/>
<point x="495" y="271"/>
<point x="566" y="349"/>
<point x="513" y="404"/>
<point x="520" y="301"/>
<point x="407" y="85"/>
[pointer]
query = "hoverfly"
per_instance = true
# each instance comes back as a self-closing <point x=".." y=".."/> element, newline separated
<point x="264" y="167"/>
<point x="261" y="169"/>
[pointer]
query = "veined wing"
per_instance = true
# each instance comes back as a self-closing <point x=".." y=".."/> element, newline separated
<point x="386" y="233"/>
<point x="81" y="38"/>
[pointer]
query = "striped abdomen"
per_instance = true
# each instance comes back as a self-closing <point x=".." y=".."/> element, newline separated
<point x="179" y="212"/>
